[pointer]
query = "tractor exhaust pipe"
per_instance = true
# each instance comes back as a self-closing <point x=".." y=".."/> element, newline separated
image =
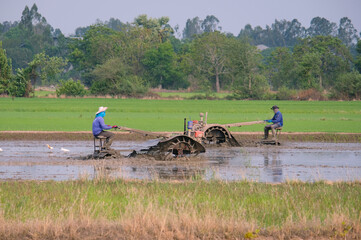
<point x="185" y="125"/>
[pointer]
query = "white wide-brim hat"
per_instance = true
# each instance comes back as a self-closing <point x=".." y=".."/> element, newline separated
<point x="101" y="109"/>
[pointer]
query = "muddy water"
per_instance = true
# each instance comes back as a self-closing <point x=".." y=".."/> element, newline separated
<point x="291" y="161"/>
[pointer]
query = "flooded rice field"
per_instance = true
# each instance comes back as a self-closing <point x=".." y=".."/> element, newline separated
<point x="305" y="161"/>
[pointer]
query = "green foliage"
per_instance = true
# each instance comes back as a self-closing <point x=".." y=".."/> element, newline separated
<point x="162" y="67"/>
<point x="358" y="57"/>
<point x="115" y="78"/>
<point x="281" y="68"/>
<point x="20" y="85"/>
<point x="210" y="57"/>
<point x="348" y="86"/>
<point x="257" y="90"/>
<point x="206" y="59"/>
<point x="5" y="71"/>
<point x="285" y="93"/>
<point x="71" y="88"/>
<point x="320" y="60"/>
<point x="31" y="36"/>
<point x="46" y="68"/>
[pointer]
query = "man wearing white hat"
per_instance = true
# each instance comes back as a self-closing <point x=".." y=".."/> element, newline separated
<point x="99" y="126"/>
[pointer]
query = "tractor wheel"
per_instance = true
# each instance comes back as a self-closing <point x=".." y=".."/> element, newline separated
<point x="179" y="146"/>
<point x="219" y="135"/>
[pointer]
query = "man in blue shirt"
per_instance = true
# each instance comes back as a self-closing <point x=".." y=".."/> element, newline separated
<point x="276" y="122"/>
<point x="99" y="126"/>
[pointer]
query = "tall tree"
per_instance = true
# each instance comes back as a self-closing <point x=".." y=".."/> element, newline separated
<point x="193" y="27"/>
<point x="322" y="27"/>
<point x="358" y="57"/>
<point x="161" y="67"/>
<point x="210" y="56"/>
<point x="326" y="56"/>
<point x="281" y="68"/>
<point x="347" y="32"/>
<point x="244" y="62"/>
<point x="210" y="24"/>
<point x="159" y="26"/>
<point x="5" y="71"/>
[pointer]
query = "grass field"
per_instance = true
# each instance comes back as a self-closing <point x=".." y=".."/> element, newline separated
<point x="167" y="115"/>
<point x="188" y="210"/>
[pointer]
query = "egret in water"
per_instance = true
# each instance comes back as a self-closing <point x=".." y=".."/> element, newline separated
<point x="1" y="149"/>
<point x="64" y="150"/>
<point x="50" y="147"/>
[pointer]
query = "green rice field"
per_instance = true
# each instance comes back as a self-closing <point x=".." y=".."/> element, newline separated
<point x="44" y="114"/>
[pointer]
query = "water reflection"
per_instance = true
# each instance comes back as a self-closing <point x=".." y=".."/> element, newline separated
<point x="273" y="166"/>
<point x="150" y="172"/>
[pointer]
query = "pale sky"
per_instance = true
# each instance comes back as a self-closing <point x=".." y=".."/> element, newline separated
<point x="67" y="15"/>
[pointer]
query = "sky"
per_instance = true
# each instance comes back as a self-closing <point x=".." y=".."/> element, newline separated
<point x="67" y="15"/>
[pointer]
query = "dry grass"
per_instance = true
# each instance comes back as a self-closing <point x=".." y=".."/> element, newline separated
<point x="188" y="210"/>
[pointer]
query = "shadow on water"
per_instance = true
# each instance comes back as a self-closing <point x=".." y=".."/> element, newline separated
<point x="294" y="161"/>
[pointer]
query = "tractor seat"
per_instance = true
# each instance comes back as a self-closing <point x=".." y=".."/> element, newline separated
<point x="100" y="137"/>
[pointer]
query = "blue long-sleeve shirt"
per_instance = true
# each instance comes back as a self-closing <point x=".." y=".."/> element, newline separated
<point x="278" y="118"/>
<point x="99" y="125"/>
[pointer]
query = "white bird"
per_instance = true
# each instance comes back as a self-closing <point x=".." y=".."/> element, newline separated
<point x="64" y="150"/>
<point x="50" y="147"/>
<point x="1" y="149"/>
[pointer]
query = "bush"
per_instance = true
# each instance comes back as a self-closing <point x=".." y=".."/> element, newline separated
<point x="285" y="93"/>
<point x="348" y="86"/>
<point x="20" y="85"/>
<point x="258" y="90"/>
<point x="311" y="94"/>
<point x="71" y="88"/>
<point x="131" y="85"/>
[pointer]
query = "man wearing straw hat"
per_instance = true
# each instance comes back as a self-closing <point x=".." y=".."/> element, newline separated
<point x="99" y="126"/>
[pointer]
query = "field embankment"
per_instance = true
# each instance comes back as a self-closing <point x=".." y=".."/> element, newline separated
<point x="243" y="137"/>
<point x="117" y="209"/>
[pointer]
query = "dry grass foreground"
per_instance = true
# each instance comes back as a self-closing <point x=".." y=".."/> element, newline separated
<point x="117" y="209"/>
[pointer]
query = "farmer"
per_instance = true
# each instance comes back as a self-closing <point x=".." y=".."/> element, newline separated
<point x="99" y="127"/>
<point x="276" y="122"/>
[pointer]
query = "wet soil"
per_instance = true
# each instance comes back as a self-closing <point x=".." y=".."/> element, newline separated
<point x="305" y="161"/>
<point x="247" y="138"/>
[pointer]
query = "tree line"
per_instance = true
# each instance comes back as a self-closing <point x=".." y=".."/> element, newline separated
<point x="117" y="58"/>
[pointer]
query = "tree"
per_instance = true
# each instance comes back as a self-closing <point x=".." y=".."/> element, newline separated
<point x="210" y="24"/>
<point x="210" y="56"/>
<point x="70" y="88"/>
<point x="244" y="62"/>
<point x="358" y="57"/>
<point x="20" y="84"/>
<point x="31" y="36"/>
<point x="322" y="57"/>
<point x="5" y="71"/>
<point x="347" y="32"/>
<point x="45" y="67"/>
<point x="348" y="86"/>
<point x="193" y="27"/>
<point x="322" y="27"/>
<point x="115" y="78"/>
<point x="280" y="68"/>
<point x="162" y="67"/>
<point x="159" y="26"/>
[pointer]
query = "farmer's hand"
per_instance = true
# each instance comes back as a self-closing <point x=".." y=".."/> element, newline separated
<point x="115" y="126"/>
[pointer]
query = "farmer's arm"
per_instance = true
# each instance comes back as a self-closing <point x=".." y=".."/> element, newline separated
<point x="103" y="125"/>
<point x="277" y="118"/>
